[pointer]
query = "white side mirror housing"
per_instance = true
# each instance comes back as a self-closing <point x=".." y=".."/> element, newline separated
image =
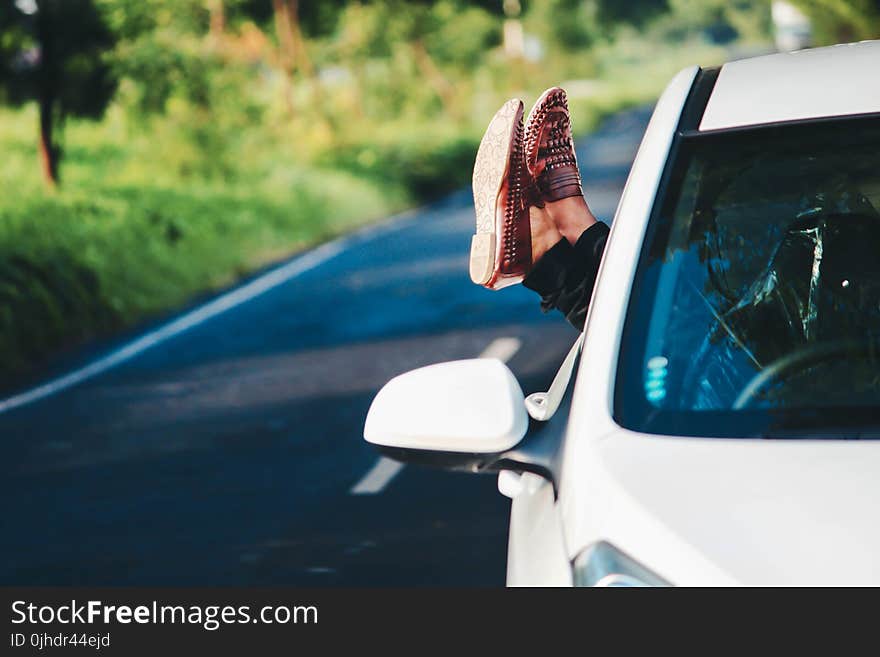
<point x="467" y="406"/>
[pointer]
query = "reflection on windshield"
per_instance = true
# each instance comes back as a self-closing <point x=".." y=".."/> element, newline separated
<point x="763" y="285"/>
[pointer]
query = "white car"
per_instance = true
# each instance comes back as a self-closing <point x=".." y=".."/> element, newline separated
<point x="719" y="429"/>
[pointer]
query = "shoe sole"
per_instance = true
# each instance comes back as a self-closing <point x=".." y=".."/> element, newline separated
<point x="491" y="170"/>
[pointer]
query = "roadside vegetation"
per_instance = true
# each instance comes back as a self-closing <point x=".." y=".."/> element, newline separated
<point x="174" y="146"/>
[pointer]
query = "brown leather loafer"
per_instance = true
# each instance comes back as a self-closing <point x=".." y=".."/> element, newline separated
<point x="501" y="249"/>
<point x="549" y="149"/>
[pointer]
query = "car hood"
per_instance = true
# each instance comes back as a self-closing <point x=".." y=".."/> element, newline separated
<point x="749" y="511"/>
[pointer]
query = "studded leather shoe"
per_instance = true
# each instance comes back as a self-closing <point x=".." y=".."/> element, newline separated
<point x="501" y="249"/>
<point x="549" y="150"/>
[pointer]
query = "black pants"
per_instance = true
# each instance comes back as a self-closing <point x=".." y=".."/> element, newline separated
<point x="566" y="274"/>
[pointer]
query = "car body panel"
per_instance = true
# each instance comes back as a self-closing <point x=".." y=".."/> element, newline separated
<point x="536" y="551"/>
<point x="705" y="511"/>
<point x="591" y="416"/>
<point x="701" y="511"/>
<point x="821" y="82"/>
<point x="607" y="311"/>
<point x="756" y="512"/>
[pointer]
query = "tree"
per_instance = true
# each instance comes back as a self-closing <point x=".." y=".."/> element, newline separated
<point x="634" y="12"/>
<point x="51" y="52"/>
<point x="217" y="12"/>
<point x="293" y="21"/>
<point x="839" y="21"/>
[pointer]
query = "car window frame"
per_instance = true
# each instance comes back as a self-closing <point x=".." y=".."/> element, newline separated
<point x="632" y="411"/>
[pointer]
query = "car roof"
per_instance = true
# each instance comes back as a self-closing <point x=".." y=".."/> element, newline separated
<point x="821" y="82"/>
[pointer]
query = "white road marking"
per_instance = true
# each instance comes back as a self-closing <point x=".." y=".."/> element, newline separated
<point x="384" y="470"/>
<point x="379" y="476"/>
<point x="502" y="348"/>
<point x="221" y="304"/>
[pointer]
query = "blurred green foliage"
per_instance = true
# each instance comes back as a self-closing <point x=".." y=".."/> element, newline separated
<point x="240" y="131"/>
<point x="841" y="21"/>
<point x="127" y="239"/>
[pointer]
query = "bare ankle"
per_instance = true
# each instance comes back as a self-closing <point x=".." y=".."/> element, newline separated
<point x="544" y="233"/>
<point x="572" y="217"/>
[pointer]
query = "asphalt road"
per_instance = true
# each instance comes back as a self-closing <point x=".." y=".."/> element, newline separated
<point x="227" y="450"/>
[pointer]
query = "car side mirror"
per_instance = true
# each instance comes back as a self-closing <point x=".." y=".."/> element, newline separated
<point x="460" y="415"/>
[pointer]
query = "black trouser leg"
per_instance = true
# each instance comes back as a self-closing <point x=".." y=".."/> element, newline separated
<point x="566" y="274"/>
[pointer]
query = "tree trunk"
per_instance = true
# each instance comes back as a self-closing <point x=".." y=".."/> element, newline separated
<point x="299" y="44"/>
<point x="287" y="49"/>
<point x="434" y="77"/>
<point x="514" y="43"/>
<point x="284" y="30"/>
<point x="48" y="149"/>
<point x="217" y="23"/>
<point x="47" y="85"/>
<point x="304" y="62"/>
<point x="295" y="56"/>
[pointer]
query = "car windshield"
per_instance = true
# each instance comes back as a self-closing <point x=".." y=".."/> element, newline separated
<point x="756" y="305"/>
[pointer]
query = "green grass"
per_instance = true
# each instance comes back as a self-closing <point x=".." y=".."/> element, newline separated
<point x="124" y="239"/>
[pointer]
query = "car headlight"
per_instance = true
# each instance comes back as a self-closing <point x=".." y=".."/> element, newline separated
<point x="602" y="564"/>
